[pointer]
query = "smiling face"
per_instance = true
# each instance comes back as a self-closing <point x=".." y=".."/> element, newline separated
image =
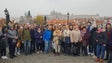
<point x="76" y="27"/>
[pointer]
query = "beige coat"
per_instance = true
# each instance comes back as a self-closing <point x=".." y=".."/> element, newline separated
<point x="75" y="36"/>
<point x="56" y="36"/>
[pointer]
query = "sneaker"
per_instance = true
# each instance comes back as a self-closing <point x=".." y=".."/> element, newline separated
<point x="94" y="56"/>
<point x="38" y="52"/>
<point x="5" y="57"/>
<point x="2" y="57"/>
<point x="14" y="56"/>
<point x="89" y="53"/>
<point x="11" y="57"/>
<point x="101" y="60"/>
<point x="18" y="53"/>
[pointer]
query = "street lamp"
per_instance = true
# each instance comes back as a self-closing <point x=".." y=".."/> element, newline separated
<point x="68" y="18"/>
<point x="45" y="18"/>
<point x="7" y="16"/>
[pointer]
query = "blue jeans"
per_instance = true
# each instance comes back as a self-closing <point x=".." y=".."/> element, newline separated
<point x="46" y="46"/>
<point x="100" y="51"/>
<point x="27" y="47"/>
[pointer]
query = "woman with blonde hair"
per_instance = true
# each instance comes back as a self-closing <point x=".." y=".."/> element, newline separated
<point x="56" y="37"/>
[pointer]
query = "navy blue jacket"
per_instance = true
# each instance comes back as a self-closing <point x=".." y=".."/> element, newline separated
<point x="38" y="36"/>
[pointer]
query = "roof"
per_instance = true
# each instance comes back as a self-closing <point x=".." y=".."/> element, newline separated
<point x="56" y="21"/>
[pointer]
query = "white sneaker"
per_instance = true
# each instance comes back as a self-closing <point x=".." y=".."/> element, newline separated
<point x="38" y="52"/>
<point x="5" y="57"/>
<point x="89" y="53"/>
<point x="2" y="57"/>
<point x="18" y="53"/>
<point x="94" y="56"/>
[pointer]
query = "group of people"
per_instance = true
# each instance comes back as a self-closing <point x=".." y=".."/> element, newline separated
<point x="70" y="39"/>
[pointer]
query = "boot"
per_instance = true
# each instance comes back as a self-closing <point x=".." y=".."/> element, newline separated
<point x="101" y="60"/>
<point x="97" y="60"/>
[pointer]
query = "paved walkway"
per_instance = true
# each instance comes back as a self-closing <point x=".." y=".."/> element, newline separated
<point x="49" y="58"/>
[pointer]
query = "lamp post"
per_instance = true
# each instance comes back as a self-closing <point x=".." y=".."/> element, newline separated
<point x="7" y="16"/>
<point x="68" y="18"/>
<point x="45" y="18"/>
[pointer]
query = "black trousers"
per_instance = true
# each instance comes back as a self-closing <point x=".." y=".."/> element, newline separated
<point x="110" y="57"/>
<point x="11" y="47"/>
<point x="33" y="45"/>
<point x="84" y="50"/>
<point x="92" y="48"/>
<point x="107" y="52"/>
<point x="22" y="48"/>
<point x="75" y="48"/>
<point x="3" y="52"/>
<point x="39" y="46"/>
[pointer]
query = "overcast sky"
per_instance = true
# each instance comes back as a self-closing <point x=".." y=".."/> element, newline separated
<point x="19" y="7"/>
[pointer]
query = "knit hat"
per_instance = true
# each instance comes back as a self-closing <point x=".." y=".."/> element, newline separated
<point x="108" y="23"/>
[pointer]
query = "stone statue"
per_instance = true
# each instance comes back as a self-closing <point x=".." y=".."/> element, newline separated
<point x="7" y="16"/>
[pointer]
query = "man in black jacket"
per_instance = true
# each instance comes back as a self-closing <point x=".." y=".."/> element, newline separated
<point x="3" y="44"/>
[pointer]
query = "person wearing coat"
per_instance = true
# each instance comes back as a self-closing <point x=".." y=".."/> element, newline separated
<point x="101" y="40"/>
<point x="56" y="40"/>
<point x="20" y="36"/>
<point x="32" y="31"/>
<point x="67" y="43"/>
<point x="92" y="42"/>
<point x="3" y="40"/>
<point x="108" y="31"/>
<point x="27" y="40"/>
<point x="75" y="38"/>
<point x="38" y="39"/>
<point x="85" y="38"/>
<point x="47" y="35"/>
<point x="12" y="41"/>
<point x="110" y="48"/>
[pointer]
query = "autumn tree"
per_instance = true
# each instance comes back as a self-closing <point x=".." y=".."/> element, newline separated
<point x="39" y="19"/>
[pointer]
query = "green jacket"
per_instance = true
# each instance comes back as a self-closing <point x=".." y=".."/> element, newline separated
<point x="26" y="34"/>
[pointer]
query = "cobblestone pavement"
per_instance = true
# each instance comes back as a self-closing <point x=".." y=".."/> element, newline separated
<point x="49" y="58"/>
